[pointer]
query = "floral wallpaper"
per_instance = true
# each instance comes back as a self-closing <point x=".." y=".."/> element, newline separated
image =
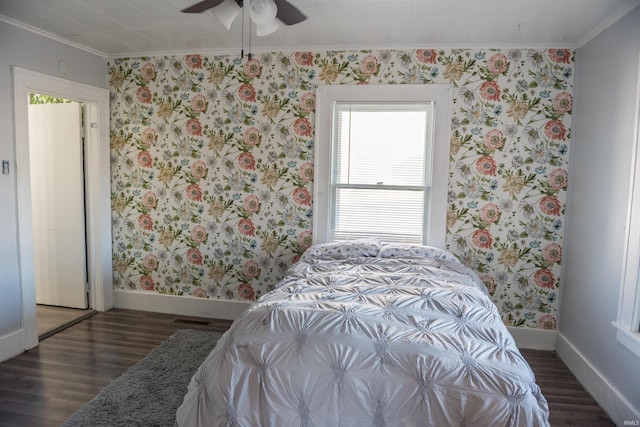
<point x="212" y="166"/>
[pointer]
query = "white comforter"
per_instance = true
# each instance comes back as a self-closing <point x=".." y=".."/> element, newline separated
<point x="368" y="337"/>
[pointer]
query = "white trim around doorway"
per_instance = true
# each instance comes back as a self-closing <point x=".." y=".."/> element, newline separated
<point x="97" y="183"/>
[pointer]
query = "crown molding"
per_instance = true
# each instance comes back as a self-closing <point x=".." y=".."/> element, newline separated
<point x="50" y="36"/>
<point x="607" y="23"/>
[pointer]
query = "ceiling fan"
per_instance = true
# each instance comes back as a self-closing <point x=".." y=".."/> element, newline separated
<point x="263" y="13"/>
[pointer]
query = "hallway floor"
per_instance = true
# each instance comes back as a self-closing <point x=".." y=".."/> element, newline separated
<point x="51" y="318"/>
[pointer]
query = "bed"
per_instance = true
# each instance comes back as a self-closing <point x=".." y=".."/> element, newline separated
<point x="363" y="333"/>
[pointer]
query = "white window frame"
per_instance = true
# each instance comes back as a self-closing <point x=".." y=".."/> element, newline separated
<point x="436" y="198"/>
<point x="628" y="321"/>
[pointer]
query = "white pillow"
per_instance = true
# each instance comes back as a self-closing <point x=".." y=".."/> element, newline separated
<point x="342" y="250"/>
<point x="404" y="250"/>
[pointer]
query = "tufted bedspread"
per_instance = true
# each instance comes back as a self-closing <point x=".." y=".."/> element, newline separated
<point x="368" y="334"/>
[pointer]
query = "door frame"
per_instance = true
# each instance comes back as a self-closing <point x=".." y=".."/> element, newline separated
<point x="97" y="190"/>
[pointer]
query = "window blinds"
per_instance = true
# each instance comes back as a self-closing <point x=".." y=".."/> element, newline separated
<point x="379" y="171"/>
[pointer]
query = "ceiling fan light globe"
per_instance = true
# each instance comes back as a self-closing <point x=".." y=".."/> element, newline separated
<point x="226" y="12"/>
<point x="266" y="29"/>
<point x="259" y="5"/>
<point x="263" y="12"/>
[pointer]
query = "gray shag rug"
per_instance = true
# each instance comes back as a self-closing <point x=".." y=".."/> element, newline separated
<point x="150" y="392"/>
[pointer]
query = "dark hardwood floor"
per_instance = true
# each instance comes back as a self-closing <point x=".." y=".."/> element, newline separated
<point x="569" y="403"/>
<point x="45" y="385"/>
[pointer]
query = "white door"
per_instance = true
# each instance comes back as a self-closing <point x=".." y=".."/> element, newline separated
<point x="57" y="197"/>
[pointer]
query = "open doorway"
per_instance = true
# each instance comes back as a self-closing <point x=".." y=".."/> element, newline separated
<point x="97" y="201"/>
<point x="57" y="165"/>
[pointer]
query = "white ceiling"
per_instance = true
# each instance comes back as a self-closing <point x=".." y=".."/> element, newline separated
<point x="137" y="27"/>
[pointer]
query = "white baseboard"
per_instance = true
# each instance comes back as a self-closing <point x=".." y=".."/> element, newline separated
<point x="181" y="305"/>
<point x="11" y="345"/>
<point x="537" y="339"/>
<point x="608" y="397"/>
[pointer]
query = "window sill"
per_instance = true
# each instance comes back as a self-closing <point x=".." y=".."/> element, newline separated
<point x="629" y="339"/>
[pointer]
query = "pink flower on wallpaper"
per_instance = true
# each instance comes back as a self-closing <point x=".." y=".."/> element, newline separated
<point x="245" y="291"/>
<point x="149" y="136"/>
<point x="194" y="193"/>
<point x="150" y="262"/>
<point x="301" y="196"/>
<point x="194" y="256"/>
<point x="427" y="56"/>
<point x="489" y="282"/>
<point x="247" y="93"/>
<point x="547" y="322"/>
<point x="369" y="65"/>
<point x="246" y="227"/>
<point x="199" y="169"/>
<point x="199" y="103"/>
<point x="555" y="129"/>
<point x="147" y="283"/>
<point x="199" y="234"/>
<point x="193" y="61"/>
<point x="149" y="200"/>
<point x="482" y="239"/>
<point x="148" y="71"/>
<point x="143" y="95"/>
<point x="145" y="222"/>
<point x="302" y="127"/>
<point x="252" y="68"/>
<point x="563" y="102"/>
<point x="562" y="56"/>
<point x="544" y="279"/>
<point x="250" y="269"/>
<point x="490" y="91"/>
<point x="144" y="159"/>
<point x="304" y="58"/>
<point x="247" y="161"/>
<point x="552" y="253"/>
<point x="194" y="127"/>
<point x="550" y="205"/>
<point x="558" y="179"/>
<point x="251" y="204"/>
<point x="252" y="137"/>
<point x="305" y="171"/>
<point x="486" y="165"/>
<point x="494" y="139"/>
<point x="308" y="102"/>
<point x="199" y="292"/>
<point x="498" y="64"/>
<point x="489" y="213"/>
<point x="305" y="239"/>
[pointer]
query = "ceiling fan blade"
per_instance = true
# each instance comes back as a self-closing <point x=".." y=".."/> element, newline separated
<point x="288" y="13"/>
<point x="202" y="6"/>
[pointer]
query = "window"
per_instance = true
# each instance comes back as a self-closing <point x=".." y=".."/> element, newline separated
<point x="382" y="157"/>
<point x="628" y="323"/>
<point x="378" y="179"/>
